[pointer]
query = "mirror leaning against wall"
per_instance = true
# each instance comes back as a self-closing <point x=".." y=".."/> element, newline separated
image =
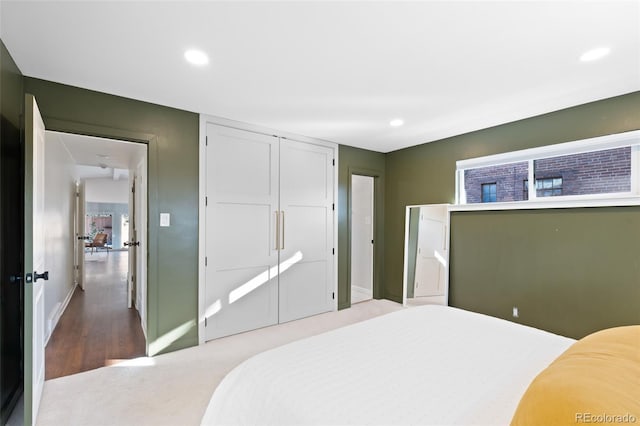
<point x="426" y="255"/>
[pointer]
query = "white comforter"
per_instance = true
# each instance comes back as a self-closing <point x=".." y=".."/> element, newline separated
<point x="430" y="365"/>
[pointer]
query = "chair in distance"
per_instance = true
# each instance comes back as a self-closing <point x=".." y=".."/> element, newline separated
<point x="99" y="242"/>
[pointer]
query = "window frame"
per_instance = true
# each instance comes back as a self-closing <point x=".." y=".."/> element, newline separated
<point x="600" y="143"/>
<point x="552" y="188"/>
<point x="494" y="192"/>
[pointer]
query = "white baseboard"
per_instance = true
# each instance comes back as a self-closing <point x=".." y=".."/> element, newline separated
<point x="143" y="323"/>
<point x="57" y="313"/>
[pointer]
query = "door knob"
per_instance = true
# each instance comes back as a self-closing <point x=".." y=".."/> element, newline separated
<point x="132" y="243"/>
<point x="37" y="276"/>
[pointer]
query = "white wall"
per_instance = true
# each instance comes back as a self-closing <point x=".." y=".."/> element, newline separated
<point x="59" y="206"/>
<point x="107" y="190"/>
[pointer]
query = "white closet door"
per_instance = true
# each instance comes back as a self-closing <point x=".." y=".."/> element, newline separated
<point x="242" y="259"/>
<point x="306" y="259"/>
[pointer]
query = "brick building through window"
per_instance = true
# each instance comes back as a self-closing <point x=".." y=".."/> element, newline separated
<point x="597" y="172"/>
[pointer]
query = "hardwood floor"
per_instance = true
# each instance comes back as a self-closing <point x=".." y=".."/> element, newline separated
<point x="97" y="328"/>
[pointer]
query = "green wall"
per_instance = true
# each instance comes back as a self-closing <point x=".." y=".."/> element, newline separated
<point x="173" y="177"/>
<point x="172" y="138"/>
<point x="369" y="163"/>
<point x="425" y="174"/>
<point x="419" y="175"/>
<point x="173" y="167"/>
<point x="569" y="271"/>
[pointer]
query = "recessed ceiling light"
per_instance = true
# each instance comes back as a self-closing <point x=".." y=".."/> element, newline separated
<point x="196" y="57"/>
<point x="396" y="122"/>
<point x="595" y="54"/>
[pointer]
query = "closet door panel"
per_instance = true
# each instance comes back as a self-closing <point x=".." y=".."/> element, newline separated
<point x="245" y="233"/>
<point x="242" y="197"/>
<point x="242" y="165"/>
<point x="305" y="290"/>
<point x="305" y="173"/>
<point x="306" y="198"/>
<point x="250" y="301"/>
<point x="305" y="232"/>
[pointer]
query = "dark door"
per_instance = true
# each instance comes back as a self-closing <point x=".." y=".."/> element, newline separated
<point x="11" y="257"/>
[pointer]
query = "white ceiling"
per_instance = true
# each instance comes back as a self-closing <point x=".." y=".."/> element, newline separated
<point x="337" y="70"/>
<point x="99" y="157"/>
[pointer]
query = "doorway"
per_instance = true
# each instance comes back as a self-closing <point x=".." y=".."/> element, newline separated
<point x="362" y="240"/>
<point x="90" y="320"/>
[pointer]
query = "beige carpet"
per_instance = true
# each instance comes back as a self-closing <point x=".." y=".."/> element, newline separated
<point x="174" y="389"/>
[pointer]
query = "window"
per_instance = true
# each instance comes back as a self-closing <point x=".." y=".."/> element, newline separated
<point x="546" y="187"/>
<point x="597" y="172"/>
<point x="549" y="187"/>
<point x="503" y="175"/>
<point x="489" y="192"/>
<point x="602" y="168"/>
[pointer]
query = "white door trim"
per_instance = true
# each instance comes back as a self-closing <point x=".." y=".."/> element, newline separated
<point x="80" y="232"/>
<point x="365" y="241"/>
<point x="204" y="120"/>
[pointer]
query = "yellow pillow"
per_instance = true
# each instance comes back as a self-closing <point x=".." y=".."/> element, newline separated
<point x="596" y="380"/>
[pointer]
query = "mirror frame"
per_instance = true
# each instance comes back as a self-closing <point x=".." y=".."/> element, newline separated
<point x="405" y="265"/>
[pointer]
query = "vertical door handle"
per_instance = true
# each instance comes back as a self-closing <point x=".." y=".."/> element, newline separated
<point x="282" y="248"/>
<point x="444" y="239"/>
<point x="277" y="229"/>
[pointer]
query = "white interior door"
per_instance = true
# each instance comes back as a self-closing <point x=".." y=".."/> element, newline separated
<point x="431" y="255"/>
<point x="34" y="290"/>
<point x="79" y="222"/>
<point x="306" y="206"/>
<point x="241" y="287"/>
<point x="361" y="238"/>
<point x="140" y="208"/>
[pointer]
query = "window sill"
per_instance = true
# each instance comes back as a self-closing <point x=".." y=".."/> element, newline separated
<point x="620" y="201"/>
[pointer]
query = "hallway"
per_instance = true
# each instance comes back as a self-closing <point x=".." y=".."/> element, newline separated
<point x="97" y="328"/>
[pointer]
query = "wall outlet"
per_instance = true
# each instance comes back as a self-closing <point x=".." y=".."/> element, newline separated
<point x="515" y="312"/>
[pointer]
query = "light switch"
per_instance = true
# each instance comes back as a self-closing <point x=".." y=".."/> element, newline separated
<point x="165" y="219"/>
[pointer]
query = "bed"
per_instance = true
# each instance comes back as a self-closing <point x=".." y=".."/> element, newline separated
<point x="429" y="365"/>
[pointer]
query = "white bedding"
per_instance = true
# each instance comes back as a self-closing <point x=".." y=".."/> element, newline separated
<point x="428" y="365"/>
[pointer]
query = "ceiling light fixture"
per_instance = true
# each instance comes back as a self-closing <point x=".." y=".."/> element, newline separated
<point x="595" y="54"/>
<point x="396" y="122"/>
<point x="196" y="57"/>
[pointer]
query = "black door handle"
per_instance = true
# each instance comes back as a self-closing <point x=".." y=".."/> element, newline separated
<point x="132" y="243"/>
<point x="37" y="276"/>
